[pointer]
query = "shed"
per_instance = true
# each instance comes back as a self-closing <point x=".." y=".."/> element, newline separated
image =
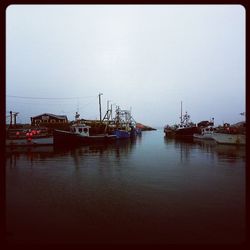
<point x="47" y="118"/>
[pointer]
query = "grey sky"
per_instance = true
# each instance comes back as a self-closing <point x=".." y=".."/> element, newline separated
<point x="148" y="57"/>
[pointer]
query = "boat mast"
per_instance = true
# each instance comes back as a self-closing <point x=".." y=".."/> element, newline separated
<point x="100" y="108"/>
<point x="181" y="113"/>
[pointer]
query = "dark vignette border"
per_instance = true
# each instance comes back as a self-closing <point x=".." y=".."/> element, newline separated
<point x="3" y="6"/>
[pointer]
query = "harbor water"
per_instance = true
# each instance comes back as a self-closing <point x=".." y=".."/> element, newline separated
<point x="148" y="190"/>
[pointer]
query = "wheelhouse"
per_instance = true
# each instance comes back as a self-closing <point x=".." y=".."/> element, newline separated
<point x="80" y="129"/>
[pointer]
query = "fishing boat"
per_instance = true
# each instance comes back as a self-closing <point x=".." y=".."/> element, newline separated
<point x="79" y="134"/>
<point x="206" y="134"/>
<point x="235" y="134"/>
<point x="222" y="138"/>
<point x="184" y="130"/>
<point x="206" y="130"/>
<point x="170" y="131"/>
<point x="28" y="137"/>
<point x="121" y="133"/>
<point x="124" y="125"/>
<point x="43" y="141"/>
<point x="127" y="133"/>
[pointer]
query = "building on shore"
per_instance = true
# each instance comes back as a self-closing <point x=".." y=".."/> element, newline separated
<point x="47" y="119"/>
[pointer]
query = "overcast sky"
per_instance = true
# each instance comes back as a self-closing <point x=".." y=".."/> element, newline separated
<point x="145" y="57"/>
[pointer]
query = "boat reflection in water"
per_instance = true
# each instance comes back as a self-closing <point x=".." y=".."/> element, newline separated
<point x="188" y="147"/>
<point x="104" y="154"/>
<point x="146" y="191"/>
<point x="102" y="151"/>
<point x="228" y="153"/>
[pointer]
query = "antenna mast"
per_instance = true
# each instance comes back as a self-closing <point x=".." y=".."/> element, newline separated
<point x="181" y="113"/>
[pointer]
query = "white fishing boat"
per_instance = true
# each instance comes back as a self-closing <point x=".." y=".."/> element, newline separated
<point x="28" y="137"/>
<point x="223" y="138"/>
<point x="234" y="134"/>
<point x="42" y="141"/>
<point x="206" y="134"/>
<point x="206" y="130"/>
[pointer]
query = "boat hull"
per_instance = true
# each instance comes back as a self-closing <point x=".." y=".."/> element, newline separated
<point x="236" y="139"/>
<point x="43" y="141"/>
<point x="65" y="138"/>
<point x="122" y="134"/>
<point x="169" y="133"/>
<point x="203" y="136"/>
<point x="186" y="132"/>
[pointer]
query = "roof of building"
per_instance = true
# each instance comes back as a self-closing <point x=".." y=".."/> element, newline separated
<point x="55" y="116"/>
<point x="239" y="124"/>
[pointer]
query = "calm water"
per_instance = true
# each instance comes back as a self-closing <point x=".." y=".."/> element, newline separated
<point x="151" y="190"/>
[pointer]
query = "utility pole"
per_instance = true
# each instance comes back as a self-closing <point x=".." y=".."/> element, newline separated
<point x="100" y="106"/>
<point x="10" y="118"/>
<point x="15" y="115"/>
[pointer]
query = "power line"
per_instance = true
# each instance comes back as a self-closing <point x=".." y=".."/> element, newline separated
<point x="39" y="102"/>
<point x="48" y="98"/>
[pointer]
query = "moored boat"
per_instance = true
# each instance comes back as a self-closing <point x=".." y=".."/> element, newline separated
<point x="42" y="141"/>
<point x="124" y="125"/>
<point x="169" y="131"/>
<point x="206" y="134"/>
<point x="222" y="138"/>
<point x="22" y="133"/>
<point x="120" y="134"/>
<point x="28" y="137"/>
<point x="235" y="134"/>
<point x="184" y="130"/>
<point x="79" y="134"/>
<point x="206" y="130"/>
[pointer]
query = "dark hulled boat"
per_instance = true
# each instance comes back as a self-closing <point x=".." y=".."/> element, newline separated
<point x="169" y="131"/>
<point x="79" y="134"/>
<point x="184" y="130"/>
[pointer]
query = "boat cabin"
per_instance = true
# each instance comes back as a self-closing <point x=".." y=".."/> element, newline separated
<point x="185" y="125"/>
<point x="208" y="130"/>
<point x="80" y="129"/>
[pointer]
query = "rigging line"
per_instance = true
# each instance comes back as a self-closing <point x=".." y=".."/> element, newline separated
<point x="48" y="98"/>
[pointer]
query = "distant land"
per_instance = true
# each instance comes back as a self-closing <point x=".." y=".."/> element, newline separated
<point x="144" y="127"/>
